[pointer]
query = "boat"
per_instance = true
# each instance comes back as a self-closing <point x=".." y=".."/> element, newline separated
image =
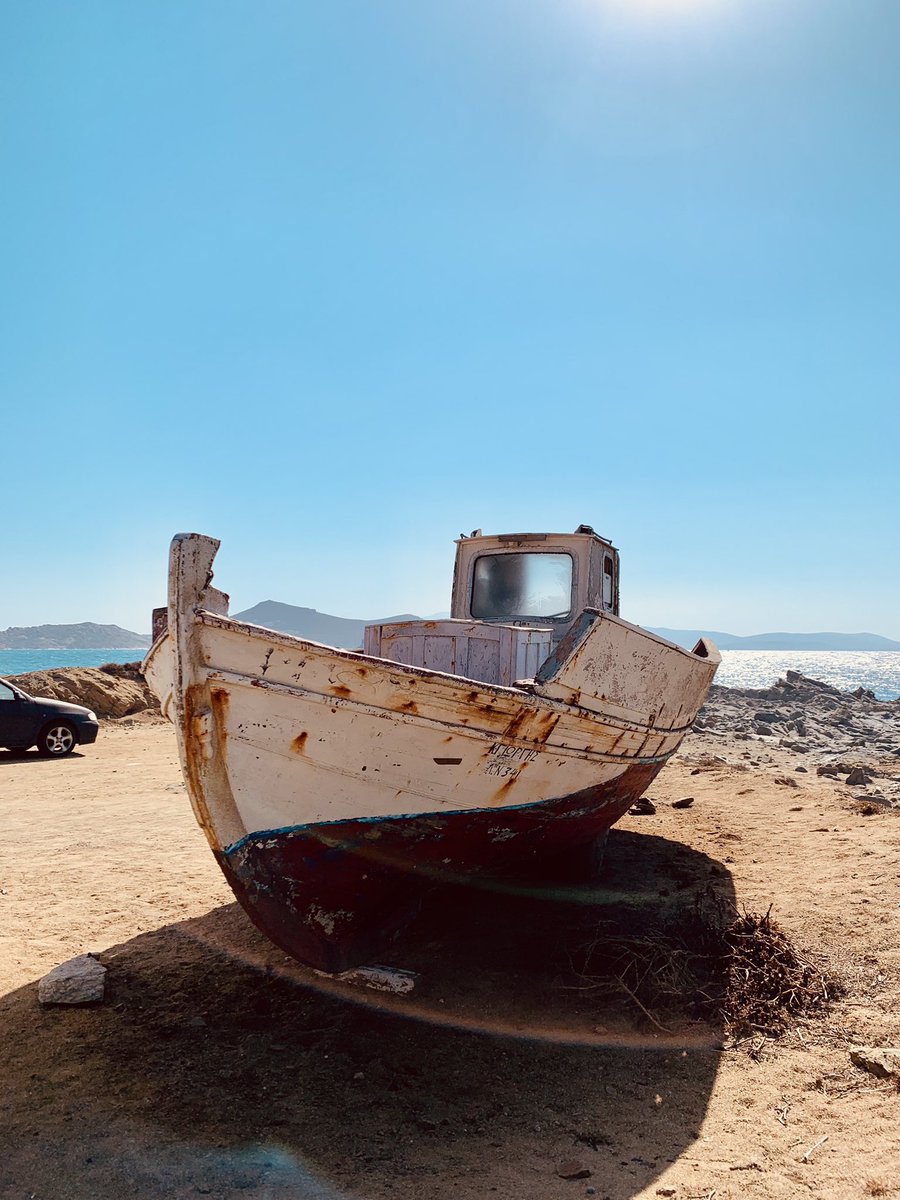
<point x="336" y="787"/>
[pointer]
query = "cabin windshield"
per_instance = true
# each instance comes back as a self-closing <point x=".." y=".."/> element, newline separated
<point x="522" y="586"/>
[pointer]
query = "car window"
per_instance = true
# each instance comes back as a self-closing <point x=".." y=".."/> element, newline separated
<point x="6" y="692"/>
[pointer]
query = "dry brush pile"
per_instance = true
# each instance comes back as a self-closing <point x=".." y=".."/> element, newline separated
<point x="711" y="961"/>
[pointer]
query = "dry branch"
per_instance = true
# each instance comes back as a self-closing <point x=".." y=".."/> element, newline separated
<point x="711" y="960"/>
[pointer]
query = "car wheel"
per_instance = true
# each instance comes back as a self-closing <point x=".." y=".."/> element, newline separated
<point x="57" y="739"/>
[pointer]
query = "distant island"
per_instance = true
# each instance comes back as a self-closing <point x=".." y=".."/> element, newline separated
<point x="83" y="636"/>
<point x="347" y="633"/>
<point x="343" y="632"/>
<point x="780" y="641"/>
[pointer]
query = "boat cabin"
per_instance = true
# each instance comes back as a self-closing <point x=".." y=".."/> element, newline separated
<point x="515" y="596"/>
<point x="542" y="579"/>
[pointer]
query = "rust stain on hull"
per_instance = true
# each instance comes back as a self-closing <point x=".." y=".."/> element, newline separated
<point x="504" y="789"/>
<point x="196" y="722"/>
<point x="532" y="725"/>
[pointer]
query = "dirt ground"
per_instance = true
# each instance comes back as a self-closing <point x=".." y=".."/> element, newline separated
<point x="216" y="1067"/>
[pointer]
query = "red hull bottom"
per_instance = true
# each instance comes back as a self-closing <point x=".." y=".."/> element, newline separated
<point x="335" y="894"/>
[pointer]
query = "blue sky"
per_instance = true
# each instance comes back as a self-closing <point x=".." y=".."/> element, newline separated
<point x="335" y="282"/>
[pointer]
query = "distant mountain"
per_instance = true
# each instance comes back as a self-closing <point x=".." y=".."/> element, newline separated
<point x="781" y="641"/>
<point x="348" y="633"/>
<point x="307" y="623"/>
<point x="84" y="636"/>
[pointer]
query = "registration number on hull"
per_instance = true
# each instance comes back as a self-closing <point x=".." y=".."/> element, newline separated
<point x="505" y="760"/>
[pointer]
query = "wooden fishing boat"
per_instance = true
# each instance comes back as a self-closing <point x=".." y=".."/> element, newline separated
<point x="336" y="786"/>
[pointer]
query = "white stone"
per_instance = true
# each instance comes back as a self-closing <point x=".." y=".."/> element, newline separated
<point x="81" y="980"/>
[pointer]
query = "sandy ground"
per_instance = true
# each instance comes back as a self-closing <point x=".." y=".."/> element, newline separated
<point x="215" y="1067"/>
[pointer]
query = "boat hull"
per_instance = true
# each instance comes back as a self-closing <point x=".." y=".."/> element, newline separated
<point x="333" y="894"/>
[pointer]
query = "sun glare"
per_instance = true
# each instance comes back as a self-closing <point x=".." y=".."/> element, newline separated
<point x="658" y="10"/>
<point x="651" y="18"/>
<point x="668" y="6"/>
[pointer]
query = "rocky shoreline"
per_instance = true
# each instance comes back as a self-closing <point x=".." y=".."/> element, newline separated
<point x="802" y="725"/>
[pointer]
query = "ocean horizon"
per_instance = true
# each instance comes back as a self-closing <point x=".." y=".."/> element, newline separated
<point x="21" y="662"/>
<point x="876" y="670"/>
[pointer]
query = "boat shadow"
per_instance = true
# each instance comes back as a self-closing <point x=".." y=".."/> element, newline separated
<point x="217" y="1066"/>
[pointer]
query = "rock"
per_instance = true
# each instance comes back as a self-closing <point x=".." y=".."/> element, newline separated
<point x="116" y="690"/>
<point x="770" y="718"/>
<point x="642" y="808"/>
<point x="573" y="1169"/>
<point x="798" y="680"/>
<point x="81" y="980"/>
<point x="858" y="778"/>
<point x="881" y="1061"/>
<point x="873" y="803"/>
<point x="686" y="802"/>
<point x="786" y="781"/>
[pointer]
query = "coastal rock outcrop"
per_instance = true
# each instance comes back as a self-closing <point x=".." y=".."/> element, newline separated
<point x="850" y="737"/>
<point x="113" y="690"/>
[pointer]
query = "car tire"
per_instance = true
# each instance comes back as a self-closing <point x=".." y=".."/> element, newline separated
<point x="57" y="740"/>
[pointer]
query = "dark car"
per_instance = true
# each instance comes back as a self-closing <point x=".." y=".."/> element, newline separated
<point x="54" y="726"/>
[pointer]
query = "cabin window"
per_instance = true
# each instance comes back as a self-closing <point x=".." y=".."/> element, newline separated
<point x="608" y="590"/>
<point x="522" y="586"/>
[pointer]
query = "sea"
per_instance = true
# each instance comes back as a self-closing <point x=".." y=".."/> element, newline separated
<point x="876" y="670"/>
<point x="19" y="662"/>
